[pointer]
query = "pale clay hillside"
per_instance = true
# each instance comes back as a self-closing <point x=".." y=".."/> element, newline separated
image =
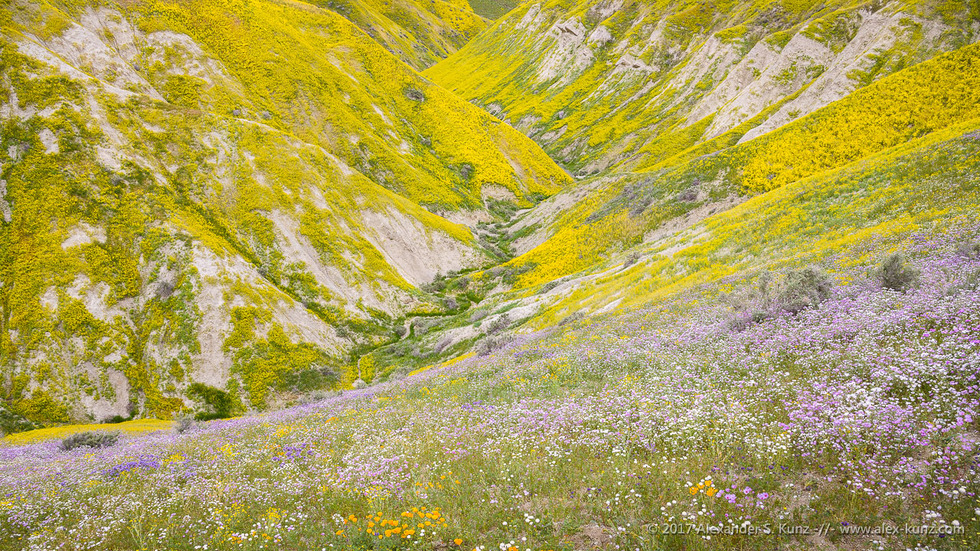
<point x="189" y="175"/>
<point x="672" y="114"/>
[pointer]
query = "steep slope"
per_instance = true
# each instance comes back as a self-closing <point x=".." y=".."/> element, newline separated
<point x="621" y="211"/>
<point x="625" y="85"/>
<point x="838" y="219"/>
<point x="493" y="9"/>
<point x="895" y="157"/>
<point x="234" y="196"/>
<point x="677" y="409"/>
<point x="419" y="33"/>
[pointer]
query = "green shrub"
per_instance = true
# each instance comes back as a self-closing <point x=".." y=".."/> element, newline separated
<point x="442" y="345"/>
<point x="799" y="290"/>
<point x="487" y="346"/>
<point x="41" y="408"/>
<point x="183" y="423"/>
<point x="509" y="276"/>
<point x="10" y="422"/>
<point x="549" y="286"/>
<point x="802" y="289"/>
<point x="571" y="318"/>
<point x="217" y="403"/>
<point x="969" y="250"/>
<point x="314" y="378"/>
<point x="89" y="439"/>
<point x="896" y="274"/>
<point x="499" y="325"/>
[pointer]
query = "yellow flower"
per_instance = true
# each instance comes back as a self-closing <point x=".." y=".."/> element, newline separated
<point x="458" y="541"/>
<point x="711" y="491"/>
<point x="694" y="490"/>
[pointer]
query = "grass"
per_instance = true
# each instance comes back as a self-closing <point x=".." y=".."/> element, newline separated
<point x="493" y="9"/>
<point x="608" y="433"/>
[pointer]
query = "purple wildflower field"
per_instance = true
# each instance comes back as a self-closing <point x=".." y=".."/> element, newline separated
<point x="849" y="425"/>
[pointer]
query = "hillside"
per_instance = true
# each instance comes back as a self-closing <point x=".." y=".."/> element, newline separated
<point x="674" y="427"/>
<point x="493" y="9"/>
<point x="620" y="86"/>
<point x="183" y="225"/>
<point x="891" y="158"/>
<point x="418" y="33"/>
<point x="237" y="196"/>
<point x="428" y="275"/>
<point x="646" y="208"/>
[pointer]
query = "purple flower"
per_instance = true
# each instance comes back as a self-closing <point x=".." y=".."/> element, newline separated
<point x="144" y="462"/>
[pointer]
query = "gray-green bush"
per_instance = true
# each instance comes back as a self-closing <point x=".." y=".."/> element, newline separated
<point x="89" y="439"/>
<point x="895" y="274"/>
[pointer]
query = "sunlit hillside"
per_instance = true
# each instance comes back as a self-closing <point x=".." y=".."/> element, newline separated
<point x="623" y="86"/>
<point x="242" y="194"/>
<point x="521" y="276"/>
<point x="493" y="9"/>
<point x="873" y="126"/>
<point x="681" y="426"/>
<point x="418" y="32"/>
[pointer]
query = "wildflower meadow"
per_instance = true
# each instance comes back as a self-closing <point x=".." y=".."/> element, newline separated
<point x="711" y="421"/>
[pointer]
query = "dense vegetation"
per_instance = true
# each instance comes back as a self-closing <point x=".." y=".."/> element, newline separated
<point x="166" y="181"/>
<point x="859" y="409"/>
<point x="674" y="182"/>
<point x="492" y="9"/>
<point x="617" y="86"/>
<point x="315" y="299"/>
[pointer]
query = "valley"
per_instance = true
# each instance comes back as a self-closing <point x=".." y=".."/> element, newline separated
<point x="489" y="275"/>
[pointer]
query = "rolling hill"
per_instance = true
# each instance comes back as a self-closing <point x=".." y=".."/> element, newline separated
<point x="197" y="193"/>
<point x="361" y="274"/>
<point x="622" y="86"/>
<point x="742" y="100"/>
